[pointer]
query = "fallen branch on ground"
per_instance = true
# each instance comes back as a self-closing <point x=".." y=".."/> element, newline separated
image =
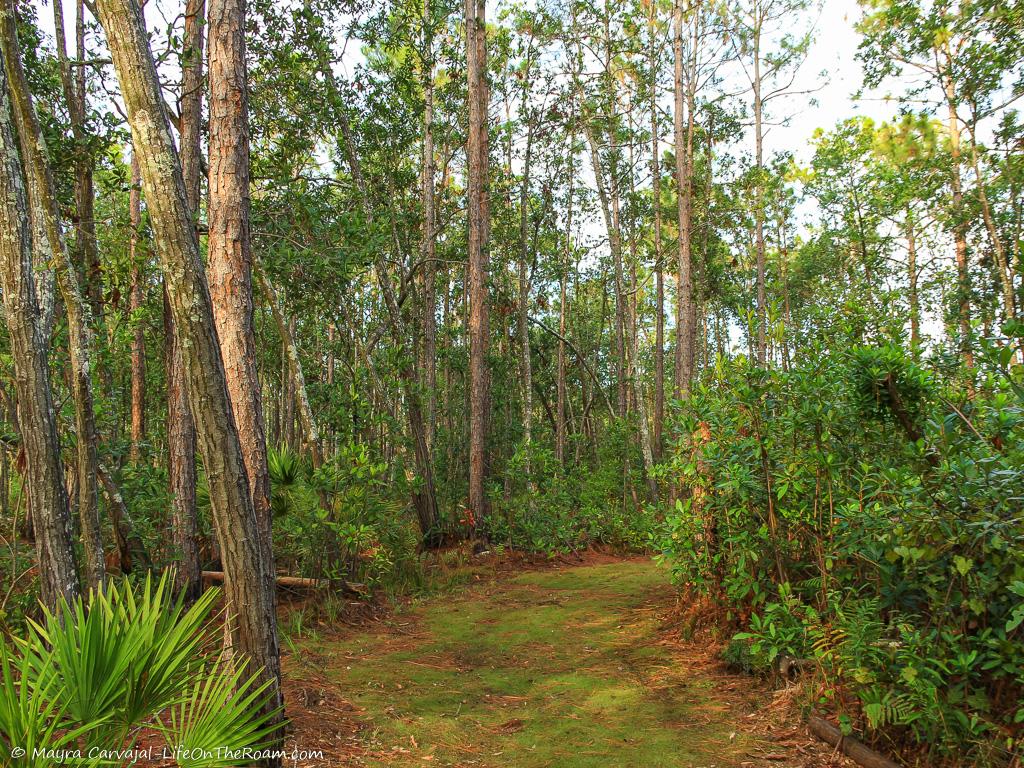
<point x="300" y="582"/>
<point x="849" y="746"/>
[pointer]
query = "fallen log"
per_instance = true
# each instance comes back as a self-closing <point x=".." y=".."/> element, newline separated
<point x="299" y="582"/>
<point x="849" y="746"/>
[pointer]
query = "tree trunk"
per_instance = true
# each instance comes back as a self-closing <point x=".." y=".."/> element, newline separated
<point x="245" y="551"/>
<point x="229" y="260"/>
<point x="659" y="272"/>
<point x="1004" y="269"/>
<point x="48" y="501"/>
<point x="44" y="200"/>
<point x="959" y="232"/>
<point x="138" y="406"/>
<point x="428" y="243"/>
<point x="73" y="84"/>
<point x="181" y="435"/>
<point x="478" y="254"/>
<point x="762" y="299"/>
<point x="912" y="278"/>
<point x="525" y="363"/>
<point x="563" y="310"/>
<point x="686" y="313"/>
<point x="131" y="552"/>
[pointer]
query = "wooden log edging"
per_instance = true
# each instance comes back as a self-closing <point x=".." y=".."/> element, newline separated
<point x="849" y="746"/>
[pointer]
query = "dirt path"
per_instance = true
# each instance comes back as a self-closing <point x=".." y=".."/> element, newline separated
<point x="568" y="668"/>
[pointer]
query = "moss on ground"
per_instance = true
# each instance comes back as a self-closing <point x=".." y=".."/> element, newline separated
<point x="551" y="668"/>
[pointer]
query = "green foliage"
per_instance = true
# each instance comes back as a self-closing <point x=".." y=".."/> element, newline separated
<point x="567" y="509"/>
<point x="896" y="564"/>
<point x="345" y="520"/>
<point x="91" y="675"/>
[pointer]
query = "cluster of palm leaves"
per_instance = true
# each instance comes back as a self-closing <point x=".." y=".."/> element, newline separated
<point x="92" y="676"/>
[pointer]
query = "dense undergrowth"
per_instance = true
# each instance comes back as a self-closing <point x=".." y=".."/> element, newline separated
<point x="867" y="513"/>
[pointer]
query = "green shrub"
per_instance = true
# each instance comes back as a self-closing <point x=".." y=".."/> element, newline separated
<point x="859" y="511"/>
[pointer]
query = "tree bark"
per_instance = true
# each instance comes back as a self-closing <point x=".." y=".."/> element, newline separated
<point x="563" y="311"/>
<point x="912" y="278"/>
<point x="48" y="501"/>
<point x="428" y="241"/>
<point x="138" y="404"/>
<point x="686" y="311"/>
<point x="525" y="363"/>
<point x="959" y="231"/>
<point x="245" y="551"/>
<point x="477" y="266"/>
<point x="229" y="250"/>
<point x="181" y="435"/>
<point x="762" y="299"/>
<point x="43" y="199"/>
<point x="659" y="272"/>
<point x="73" y="84"/>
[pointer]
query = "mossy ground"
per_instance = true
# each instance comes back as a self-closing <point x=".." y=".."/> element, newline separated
<point x="551" y="668"/>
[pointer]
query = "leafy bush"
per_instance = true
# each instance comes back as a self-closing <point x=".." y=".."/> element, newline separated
<point x="345" y="520"/>
<point x="571" y="510"/>
<point x="92" y="675"/>
<point x="856" y="511"/>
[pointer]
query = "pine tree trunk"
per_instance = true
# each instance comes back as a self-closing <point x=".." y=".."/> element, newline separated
<point x="181" y="435"/>
<point x="959" y="232"/>
<point x="138" y="405"/>
<point x="659" y="272"/>
<point x="428" y="243"/>
<point x="686" y="315"/>
<point x="912" y="278"/>
<point x="48" y="501"/>
<point x="762" y="299"/>
<point x="525" y="363"/>
<point x="229" y="250"/>
<point x="43" y="200"/>
<point x="563" y="311"/>
<point x="245" y="552"/>
<point x="478" y="254"/>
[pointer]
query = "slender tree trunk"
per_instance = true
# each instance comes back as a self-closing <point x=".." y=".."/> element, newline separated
<point x="686" y="313"/>
<point x="131" y="552"/>
<point x="959" y="232"/>
<point x="42" y="197"/>
<point x="563" y="310"/>
<point x="659" y="272"/>
<point x="138" y="407"/>
<point x="762" y="299"/>
<point x="48" y="501"/>
<point x="428" y="243"/>
<point x="633" y="353"/>
<point x="73" y="83"/>
<point x="912" y="278"/>
<point x="525" y="363"/>
<point x="229" y="261"/>
<point x="478" y="254"/>
<point x="245" y="552"/>
<point x="1003" y="268"/>
<point x="181" y="435"/>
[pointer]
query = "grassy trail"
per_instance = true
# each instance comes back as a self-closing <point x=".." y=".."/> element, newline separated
<point x="564" y="668"/>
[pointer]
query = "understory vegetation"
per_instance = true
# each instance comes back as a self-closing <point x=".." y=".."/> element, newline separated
<point x="337" y="301"/>
<point x="860" y="511"/>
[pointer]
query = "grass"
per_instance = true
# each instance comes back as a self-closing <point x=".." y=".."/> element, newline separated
<point x="551" y="668"/>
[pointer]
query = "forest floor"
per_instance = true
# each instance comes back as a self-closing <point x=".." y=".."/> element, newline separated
<point x="570" y="667"/>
